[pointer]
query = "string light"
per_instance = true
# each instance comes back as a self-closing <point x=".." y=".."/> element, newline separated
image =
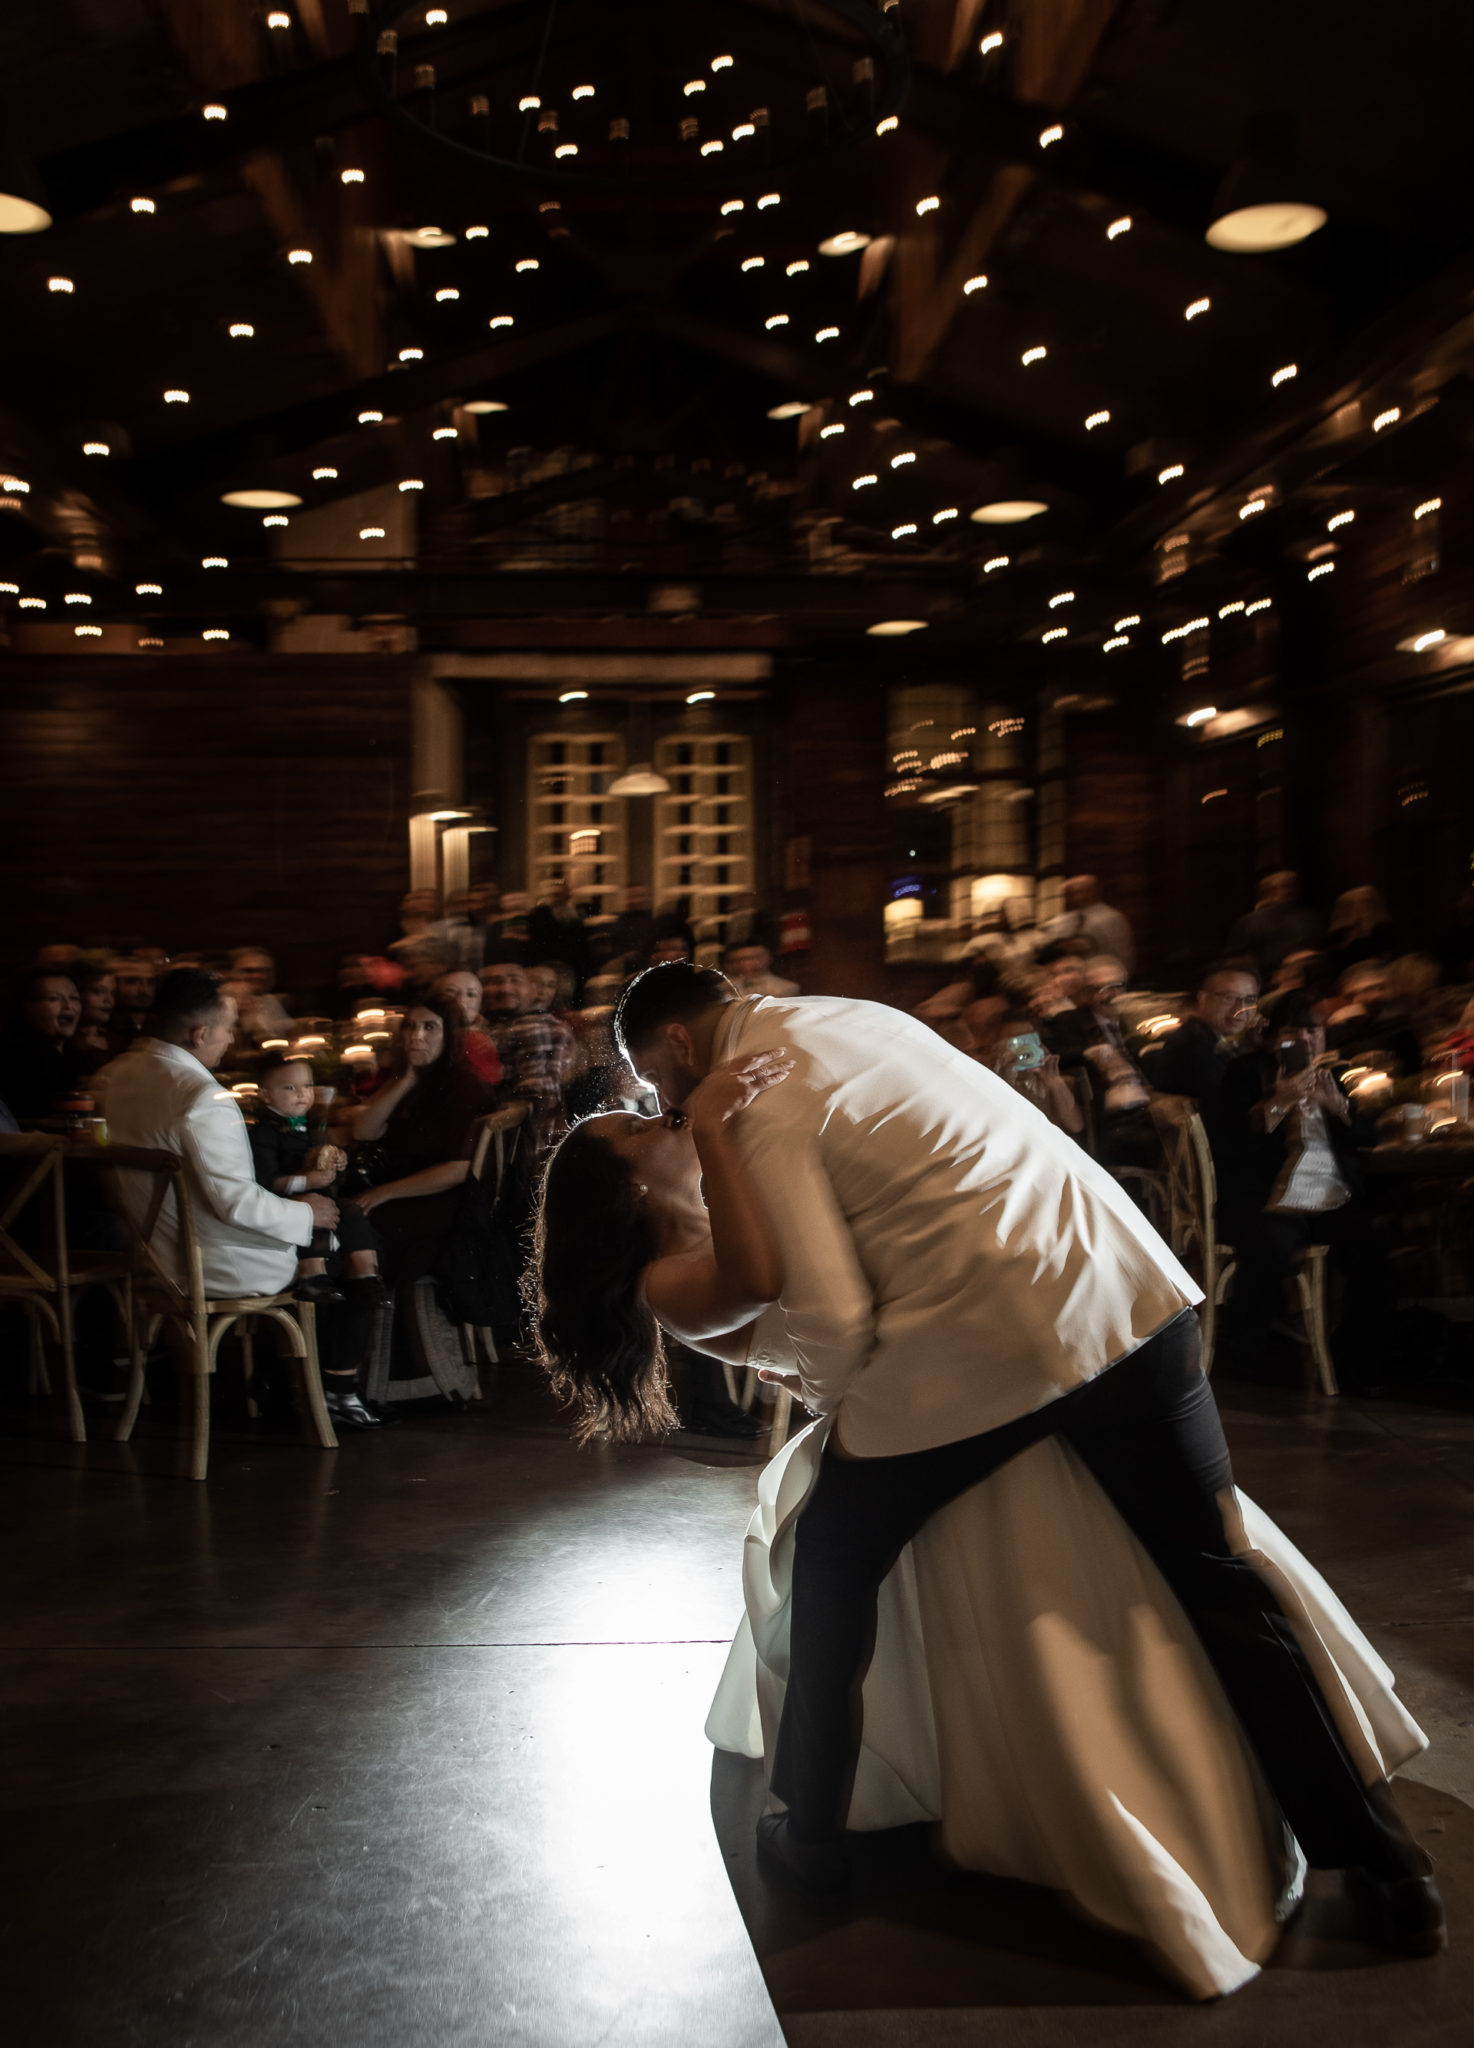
<point x="1173" y="470"/>
<point x="998" y="562"/>
<point x="411" y="483"/>
<point x="141" y="206"/>
<point x="477" y="234"/>
<point x="1254" y="505"/>
<point x="33" y="604"/>
<point x="1094" y="420"/>
<point x="1198" y="306"/>
<point x="1119" y="640"/>
<point x="96" y="448"/>
<point x="1054" y="633"/>
<point x="827" y="334"/>
<point x="900" y="461"/>
<point x="214" y="562"/>
<point x="974" y="284"/>
<point x="501" y="320"/>
<point x="1284" y="374"/>
<point x="723" y="63"/>
<point x="324" y="475"/>
<point x="1033" y="355"/>
<point x="76" y="597"/>
<point x="88" y="632"/>
<point x="371" y="533"/>
<point x="1339" y="519"/>
<point x="370" y="418"/>
<point x="861" y="397"/>
<point x="701" y="696"/>
<point x="1260" y="604"/>
<point x="299" y="255"/>
<point x="1321" y="569"/>
<point x="861" y="481"/>
<point x="60" y="284"/>
<point x="733" y="206"/>
<point x="713" y="148"/>
<point x="215" y="111"/>
<point x="888" y="126"/>
<point x="411" y="355"/>
<point x="275" y="519"/>
<point x="1181" y="632"/>
<point x="529" y="103"/>
<point x="899" y="532"/>
<point x="436" y="17"/>
<point x="1428" y="505"/>
<point x="350" y="176"/>
<point x="526" y="263"/>
<point x="693" y="85"/>
<point x="1226" y="611"/>
<point x="797" y="268"/>
<point x="278" y="18"/>
<point x="1119" y="227"/>
<point x="928" y="205"/>
<point x="1387" y="419"/>
<point x="150" y="640"/>
<point x="743" y="130"/>
<point x="446" y="294"/>
<point x="1424" y="640"/>
<point x="770" y="199"/>
<point x="1061" y="597"/>
<point x="776" y="320"/>
<point x="16" y="485"/>
<point x="753" y="263"/>
<point x="148" y="589"/>
<point x="571" y="149"/>
<point x="826" y="433"/>
<point x="991" y="42"/>
<point x="1131" y="619"/>
<point x="583" y="92"/>
<point x="174" y="396"/>
<point x="214" y="633"/>
<point x="947" y="512"/>
<point x="1050" y="135"/>
<point x="445" y="434"/>
<point x="241" y="330"/>
<point x="572" y="696"/>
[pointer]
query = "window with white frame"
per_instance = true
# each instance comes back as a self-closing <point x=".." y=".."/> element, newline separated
<point x="574" y="827"/>
<point x="703" y="828"/>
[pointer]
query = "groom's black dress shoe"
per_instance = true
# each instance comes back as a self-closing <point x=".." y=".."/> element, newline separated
<point x="348" y="1410"/>
<point x="822" y="1869"/>
<point x="1404" y="1914"/>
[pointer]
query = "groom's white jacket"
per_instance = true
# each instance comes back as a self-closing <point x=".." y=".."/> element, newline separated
<point x="952" y="1260"/>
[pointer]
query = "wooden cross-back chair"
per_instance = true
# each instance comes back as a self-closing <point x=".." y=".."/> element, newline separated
<point x="169" y="1291"/>
<point x="37" y="1277"/>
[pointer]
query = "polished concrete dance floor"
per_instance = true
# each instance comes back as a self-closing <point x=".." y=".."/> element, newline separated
<point x="404" y="1745"/>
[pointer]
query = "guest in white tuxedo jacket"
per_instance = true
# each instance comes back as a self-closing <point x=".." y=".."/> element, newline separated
<point x="162" y="1094"/>
<point x="961" y="1281"/>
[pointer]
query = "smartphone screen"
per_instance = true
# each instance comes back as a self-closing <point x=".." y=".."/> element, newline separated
<point x="1294" y="1056"/>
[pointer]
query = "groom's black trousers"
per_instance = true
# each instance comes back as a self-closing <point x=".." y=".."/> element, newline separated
<point x="1148" y="1428"/>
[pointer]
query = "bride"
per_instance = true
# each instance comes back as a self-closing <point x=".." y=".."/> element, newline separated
<point x="1035" y="1688"/>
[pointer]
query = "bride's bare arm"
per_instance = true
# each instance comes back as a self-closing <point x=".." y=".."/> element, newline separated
<point x="701" y="1296"/>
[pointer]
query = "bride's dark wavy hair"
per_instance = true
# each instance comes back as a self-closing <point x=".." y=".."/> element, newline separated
<point x="598" y="1342"/>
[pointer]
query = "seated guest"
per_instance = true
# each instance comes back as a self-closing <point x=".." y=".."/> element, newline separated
<point x="1193" y="1059"/>
<point x="423" y="1117"/>
<point x="1366" y="1020"/>
<point x="749" y="968"/>
<point x="1009" y="1043"/>
<point x="478" y="1048"/>
<point x="536" y="1049"/>
<point x="1360" y="929"/>
<point x="1284" y="1146"/>
<point x="162" y="1094"/>
<point x="1092" y="925"/>
<point x="556" y="931"/>
<point x="675" y="935"/>
<point x="263" y="1015"/>
<point x="1278" y="924"/>
<point x="41" y="1063"/>
<point x="1090" y="1040"/>
<point x="959" y="1010"/>
<point x="291" y="1159"/>
<point x="670" y="946"/>
<point x="134" y="981"/>
<point x="98" y="988"/>
<point x="366" y="981"/>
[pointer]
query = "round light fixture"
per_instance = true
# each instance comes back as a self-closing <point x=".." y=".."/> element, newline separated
<point x="1008" y="511"/>
<point x="1279" y="224"/>
<point x="845" y="243"/>
<point x="483" y="405"/>
<point x="430" y="238"/>
<point x="895" y="629"/>
<point x="260" y="501"/>
<point x="21" y="216"/>
<point x="790" y="409"/>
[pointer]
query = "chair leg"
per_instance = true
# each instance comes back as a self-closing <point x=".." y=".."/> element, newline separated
<point x="38" y="1379"/>
<point x="139" y="1342"/>
<point x="778" y="1434"/>
<point x="76" y="1421"/>
<point x="310" y="1376"/>
<point x="1310" y="1282"/>
<point x="199" y="1360"/>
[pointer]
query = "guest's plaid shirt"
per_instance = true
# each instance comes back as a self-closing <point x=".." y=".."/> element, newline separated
<point x="537" y="1059"/>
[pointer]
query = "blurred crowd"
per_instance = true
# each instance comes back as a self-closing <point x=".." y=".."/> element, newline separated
<point x="1304" y="1042"/>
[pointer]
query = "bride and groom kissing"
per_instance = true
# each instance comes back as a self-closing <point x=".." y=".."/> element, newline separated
<point x="1005" y="1581"/>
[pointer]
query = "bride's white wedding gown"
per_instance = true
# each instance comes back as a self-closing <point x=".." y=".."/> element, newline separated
<point x="1038" y="1691"/>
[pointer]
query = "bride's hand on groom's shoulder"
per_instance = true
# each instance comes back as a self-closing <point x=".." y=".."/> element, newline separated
<point x="730" y="1087"/>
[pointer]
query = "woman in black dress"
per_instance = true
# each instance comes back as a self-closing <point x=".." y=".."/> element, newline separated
<point x="423" y="1118"/>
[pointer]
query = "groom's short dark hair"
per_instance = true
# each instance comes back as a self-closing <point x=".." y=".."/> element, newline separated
<point x="668" y="994"/>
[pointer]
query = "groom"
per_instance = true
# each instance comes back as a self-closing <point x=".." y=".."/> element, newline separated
<point x="961" y="1281"/>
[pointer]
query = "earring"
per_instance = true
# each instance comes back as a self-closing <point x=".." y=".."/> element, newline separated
<point x="640" y="1188"/>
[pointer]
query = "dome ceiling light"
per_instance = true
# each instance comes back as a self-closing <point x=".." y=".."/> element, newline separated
<point x="895" y="629"/>
<point x="1265" y="201"/>
<point x="260" y="500"/>
<point x="845" y="243"/>
<point x="1008" y="511"/>
<point x="641" y="780"/>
